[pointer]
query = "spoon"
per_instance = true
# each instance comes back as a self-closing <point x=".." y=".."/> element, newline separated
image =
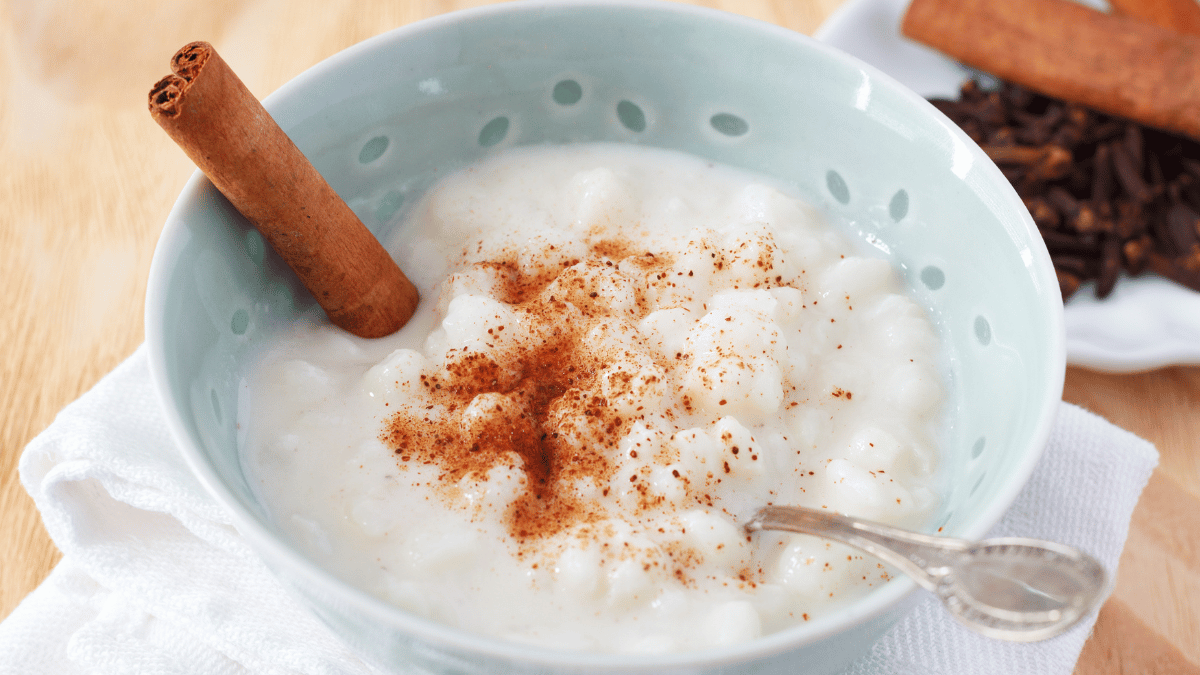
<point x="1011" y="588"/>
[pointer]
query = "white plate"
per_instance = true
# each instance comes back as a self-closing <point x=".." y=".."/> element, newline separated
<point x="1146" y="323"/>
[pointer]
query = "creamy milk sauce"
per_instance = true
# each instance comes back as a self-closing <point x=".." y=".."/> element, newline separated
<point x="620" y="354"/>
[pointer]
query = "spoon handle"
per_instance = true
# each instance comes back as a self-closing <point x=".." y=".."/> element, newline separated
<point x="924" y="558"/>
<point x="1011" y="588"/>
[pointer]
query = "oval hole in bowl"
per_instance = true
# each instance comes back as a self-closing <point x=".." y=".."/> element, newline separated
<point x="837" y="186"/>
<point x="730" y="125"/>
<point x="631" y="116"/>
<point x="983" y="331"/>
<point x="898" y="207"/>
<point x="933" y="277"/>
<point x="493" y="132"/>
<point x="373" y="149"/>
<point x="216" y="406"/>
<point x="567" y="92"/>
<point x="240" y="322"/>
<point x="256" y="247"/>
<point x="389" y="205"/>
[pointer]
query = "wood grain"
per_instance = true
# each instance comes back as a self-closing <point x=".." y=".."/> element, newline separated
<point x="1153" y="622"/>
<point x="88" y="179"/>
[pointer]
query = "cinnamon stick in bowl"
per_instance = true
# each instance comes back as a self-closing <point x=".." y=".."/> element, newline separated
<point x="207" y="110"/>
<point x="1115" y="64"/>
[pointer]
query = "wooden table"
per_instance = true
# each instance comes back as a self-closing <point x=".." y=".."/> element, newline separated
<point x="87" y="179"/>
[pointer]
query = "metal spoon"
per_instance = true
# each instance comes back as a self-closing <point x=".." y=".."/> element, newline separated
<point x="1012" y="588"/>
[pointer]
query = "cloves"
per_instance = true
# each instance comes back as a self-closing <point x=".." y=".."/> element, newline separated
<point x="1109" y="196"/>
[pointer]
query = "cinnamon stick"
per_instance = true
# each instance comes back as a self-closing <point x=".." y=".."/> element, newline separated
<point x="1178" y="15"/>
<point x="1059" y="48"/>
<point x="206" y="109"/>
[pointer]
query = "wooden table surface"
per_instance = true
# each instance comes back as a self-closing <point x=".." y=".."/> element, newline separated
<point x="87" y="179"/>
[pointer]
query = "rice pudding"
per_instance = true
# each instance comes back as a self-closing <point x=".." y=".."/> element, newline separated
<point x="621" y="353"/>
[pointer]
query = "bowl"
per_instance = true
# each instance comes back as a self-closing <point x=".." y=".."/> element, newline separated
<point x="385" y="118"/>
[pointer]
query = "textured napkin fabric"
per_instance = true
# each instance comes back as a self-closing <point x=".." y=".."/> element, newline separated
<point x="155" y="579"/>
<point x="1082" y="493"/>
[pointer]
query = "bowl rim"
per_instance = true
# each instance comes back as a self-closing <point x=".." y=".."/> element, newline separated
<point x="874" y="604"/>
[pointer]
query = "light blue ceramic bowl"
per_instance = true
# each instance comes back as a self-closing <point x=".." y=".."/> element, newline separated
<point x="384" y="119"/>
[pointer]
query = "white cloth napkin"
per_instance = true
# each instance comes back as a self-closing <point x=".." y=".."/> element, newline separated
<point x="155" y="579"/>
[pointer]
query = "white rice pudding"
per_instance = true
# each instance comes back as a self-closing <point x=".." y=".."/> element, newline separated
<point x="620" y="355"/>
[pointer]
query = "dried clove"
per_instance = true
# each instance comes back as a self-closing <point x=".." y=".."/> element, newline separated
<point x="1137" y="253"/>
<point x="1132" y="219"/>
<point x="1182" y="225"/>
<point x="1109" y="196"/>
<point x="1067" y="283"/>
<point x="1044" y="215"/>
<point x="1129" y="174"/>
<point x="1067" y="242"/>
<point x="1075" y="265"/>
<point x="1110" y="266"/>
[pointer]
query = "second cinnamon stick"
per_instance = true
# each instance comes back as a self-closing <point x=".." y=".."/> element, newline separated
<point x="1059" y="48"/>
<point x="205" y="108"/>
<point x="1178" y="15"/>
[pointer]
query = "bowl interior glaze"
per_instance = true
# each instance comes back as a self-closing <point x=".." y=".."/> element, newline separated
<point x="386" y="118"/>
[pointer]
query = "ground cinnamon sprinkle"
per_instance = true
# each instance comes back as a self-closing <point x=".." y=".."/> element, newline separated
<point x="482" y="414"/>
